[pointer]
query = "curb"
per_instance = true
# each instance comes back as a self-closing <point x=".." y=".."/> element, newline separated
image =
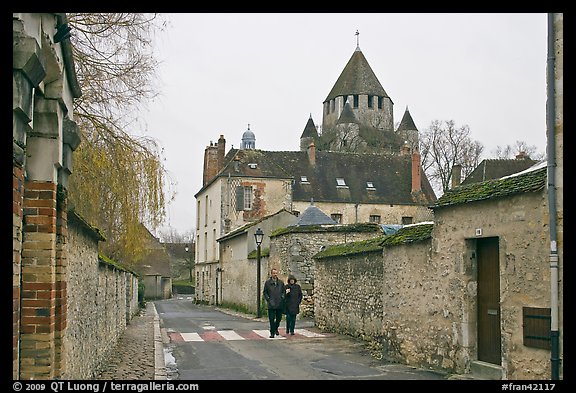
<point x="159" y="364"/>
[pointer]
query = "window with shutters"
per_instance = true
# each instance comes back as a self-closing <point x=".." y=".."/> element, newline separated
<point x="247" y="198"/>
<point x="536" y="324"/>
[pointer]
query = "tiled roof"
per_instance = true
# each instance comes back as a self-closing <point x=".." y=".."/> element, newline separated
<point x="407" y="122"/>
<point x="347" y="115"/>
<point x="391" y="175"/>
<point x="357" y="78"/>
<point x="496" y="188"/>
<point x="314" y="216"/>
<point x="496" y="168"/>
<point x="310" y="129"/>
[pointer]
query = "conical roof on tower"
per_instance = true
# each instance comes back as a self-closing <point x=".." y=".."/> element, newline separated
<point x="310" y="129"/>
<point x="347" y="115"/>
<point x="407" y="123"/>
<point x="357" y="78"/>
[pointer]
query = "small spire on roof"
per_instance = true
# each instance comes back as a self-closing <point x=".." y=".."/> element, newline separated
<point x="357" y="34"/>
<point x="311" y="201"/>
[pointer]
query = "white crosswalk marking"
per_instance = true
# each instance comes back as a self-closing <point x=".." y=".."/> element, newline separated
<point x="307" y="333"/>
<point x="230" y="335"/>
<point x="191" y="337"/>
<point x="266" y="334"/>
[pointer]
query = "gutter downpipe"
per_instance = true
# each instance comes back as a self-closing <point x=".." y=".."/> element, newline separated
<point x="551" y="144"/>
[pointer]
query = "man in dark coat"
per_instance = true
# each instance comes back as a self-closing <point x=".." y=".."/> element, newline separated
<point x="274" y="295"/>
<point x="293" y="299"/>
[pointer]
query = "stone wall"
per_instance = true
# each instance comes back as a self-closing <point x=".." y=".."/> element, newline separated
<point x="419" y="300"/>
<point x="101" y="301"/>
<point x="292" y="253"/>
<point x="521" y="225"/>
<point x="348" y="295"/>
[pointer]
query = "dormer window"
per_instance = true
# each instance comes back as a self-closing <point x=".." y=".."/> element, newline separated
<point x="370" y="186"/>
<point x="252" y="165"/>
<point x="340" y="183"/>
<point x="304" y="180"/>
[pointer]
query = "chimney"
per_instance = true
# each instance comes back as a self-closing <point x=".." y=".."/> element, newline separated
<point x="312" y="153"/>
<point x="456" y="175"/>
<point x="416" y="174"/>
<point x="210" y="163"/>
<point x="522" y="156"/>
<point x="221" y="152"/>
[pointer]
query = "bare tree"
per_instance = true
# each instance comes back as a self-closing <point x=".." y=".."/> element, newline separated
<point x="508" y="151"/>
<point x="444" y="145"/>
<point x="119" y="182"/>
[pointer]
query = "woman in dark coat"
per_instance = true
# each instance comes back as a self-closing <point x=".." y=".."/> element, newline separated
<point x="293" y="299"/>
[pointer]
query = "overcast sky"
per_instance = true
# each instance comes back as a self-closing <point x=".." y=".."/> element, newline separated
<point x="221" y="72"/>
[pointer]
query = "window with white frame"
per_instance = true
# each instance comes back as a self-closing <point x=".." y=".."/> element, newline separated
<point x="370" y="186"/>
<point x="340" y="182"/>
<point x="248" y="198"/>
<point x="303" y="179"/>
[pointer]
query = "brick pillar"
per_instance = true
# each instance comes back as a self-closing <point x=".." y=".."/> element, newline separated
<point x="61" y="304"/>
<point x="38" y="281"/>
<point x="17" y="197"/>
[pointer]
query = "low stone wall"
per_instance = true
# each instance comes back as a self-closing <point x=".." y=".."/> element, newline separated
<point x="292" y="253"/>
<point x="102" y="299"/>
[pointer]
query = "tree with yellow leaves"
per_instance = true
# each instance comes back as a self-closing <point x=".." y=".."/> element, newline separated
<point x="118" y="182"/>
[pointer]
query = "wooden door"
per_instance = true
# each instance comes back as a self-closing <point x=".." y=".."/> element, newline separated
<point x="489" y="336"/>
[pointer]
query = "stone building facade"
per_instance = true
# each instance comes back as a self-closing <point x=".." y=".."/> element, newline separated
<point x="292" y="250"/>
<point x="438" y="303"/>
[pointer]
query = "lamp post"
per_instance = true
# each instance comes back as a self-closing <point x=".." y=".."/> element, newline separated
<point x="258" y="236"/>
<point x="190" y="262"/>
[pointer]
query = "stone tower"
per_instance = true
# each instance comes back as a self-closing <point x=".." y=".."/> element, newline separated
<point x="407" y="130"/>
<point x="358" y="85"/>
<point x="309" y="135"/>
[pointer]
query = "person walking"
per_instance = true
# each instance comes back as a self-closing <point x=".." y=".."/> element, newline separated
<point x="293" y="300"/>
<point x="274" y="294"/>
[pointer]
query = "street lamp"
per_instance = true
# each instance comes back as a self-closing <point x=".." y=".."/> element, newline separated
<point x="258" y="236"/>
<point x="190" y="263"/>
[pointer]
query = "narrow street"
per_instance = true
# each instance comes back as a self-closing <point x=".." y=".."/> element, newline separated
<point x="205" y="343"/>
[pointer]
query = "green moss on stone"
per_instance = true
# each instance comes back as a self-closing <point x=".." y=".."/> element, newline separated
<point x="496" y="188"/>
<point x="349" y="228"/>
<point x="265" y="252"/>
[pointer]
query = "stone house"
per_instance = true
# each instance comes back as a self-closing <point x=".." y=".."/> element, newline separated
<point x="155" y="269"/>
<point x="358" y="170"/>
<point x="468" y="293"/>
<point x="292" y="248"/>
<point x="234" y="280"/>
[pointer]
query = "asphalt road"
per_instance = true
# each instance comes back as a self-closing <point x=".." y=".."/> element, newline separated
<point x="206" y="343"/>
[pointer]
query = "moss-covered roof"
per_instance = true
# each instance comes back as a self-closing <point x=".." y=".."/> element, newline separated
<point x="497" y="188"/>
<point x="407" y="234"/>
<point x="363" y="227"/>
<point x="113" y="264"/>
<point x="244" y="228"/>
<point x="73" y="215"/>
<point x="497" y="168"/>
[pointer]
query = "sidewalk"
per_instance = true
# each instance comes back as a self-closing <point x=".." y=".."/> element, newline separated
<point x="139" y="354"/>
